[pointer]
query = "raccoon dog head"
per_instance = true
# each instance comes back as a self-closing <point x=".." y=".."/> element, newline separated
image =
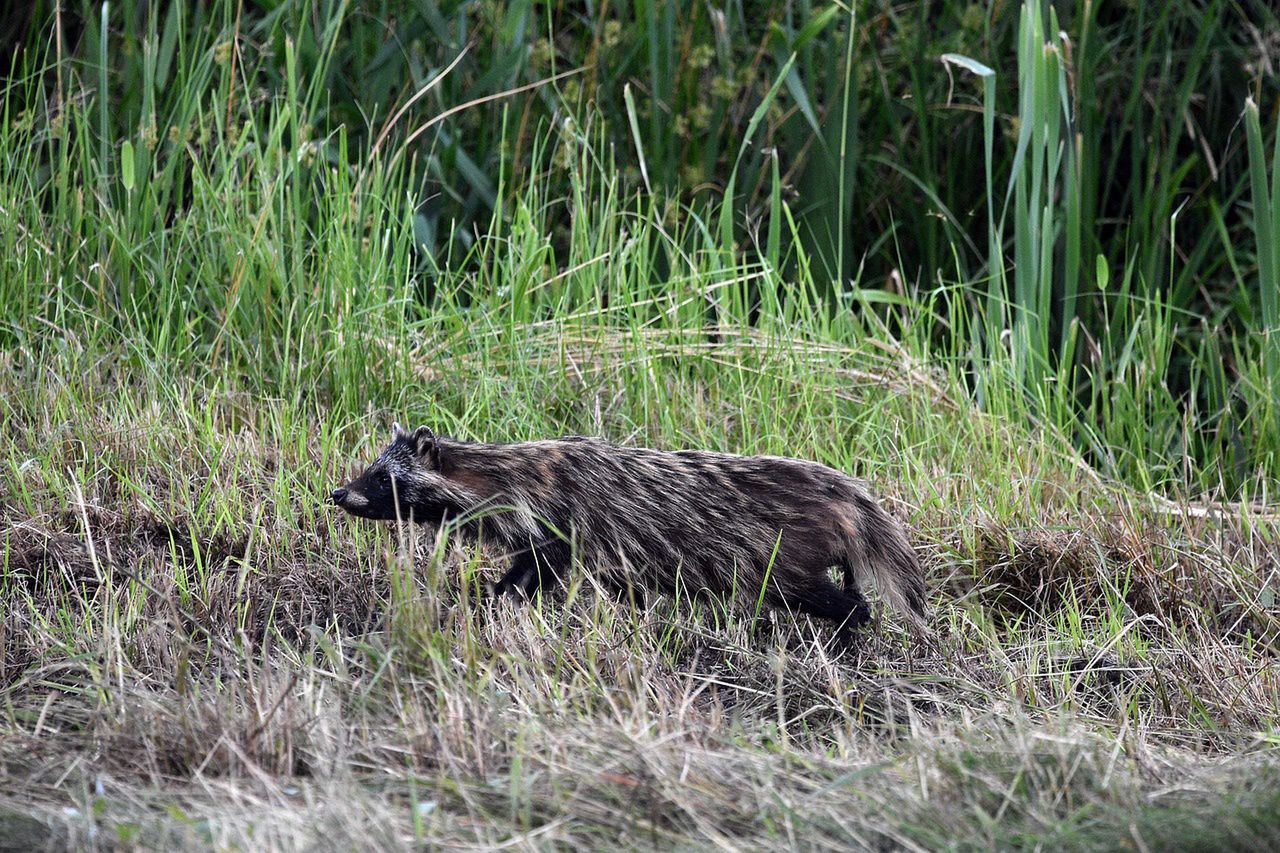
<point x="404" y="482"/>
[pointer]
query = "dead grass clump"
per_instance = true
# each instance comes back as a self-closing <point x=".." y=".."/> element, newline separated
<point x="1149" y="569"/>
<point x="1030" y="570"/>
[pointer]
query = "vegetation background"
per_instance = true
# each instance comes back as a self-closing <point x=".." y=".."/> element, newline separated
<point x="1017" y="264"/>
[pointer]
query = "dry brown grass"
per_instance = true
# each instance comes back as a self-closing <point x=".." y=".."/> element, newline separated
<point x="288" y="679"/>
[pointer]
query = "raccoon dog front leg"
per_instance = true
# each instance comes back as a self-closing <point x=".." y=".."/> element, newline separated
<point x="535" y="568"/>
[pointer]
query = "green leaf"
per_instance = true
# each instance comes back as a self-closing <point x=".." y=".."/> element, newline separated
<point x="973" y="66"/>
<point x="634" y="121"/>
<point x="126" y="166"/>
<point x="818" y="22"/>
<point x="726" y="208"/>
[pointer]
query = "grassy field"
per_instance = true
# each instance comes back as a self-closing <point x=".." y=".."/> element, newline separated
<point x="219" y="286"/>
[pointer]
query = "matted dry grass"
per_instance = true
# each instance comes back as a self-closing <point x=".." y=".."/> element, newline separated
<point x="250" y="680"/>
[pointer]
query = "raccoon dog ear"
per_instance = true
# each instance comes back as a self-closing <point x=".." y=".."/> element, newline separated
<point x="424" y="443"/>
<point x="397" y="431"/>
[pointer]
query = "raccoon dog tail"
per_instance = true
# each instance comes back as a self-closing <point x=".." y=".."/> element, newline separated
<point x="880" y="553"/>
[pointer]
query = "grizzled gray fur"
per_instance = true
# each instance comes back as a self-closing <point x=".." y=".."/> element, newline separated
<point x="688" y="519"/>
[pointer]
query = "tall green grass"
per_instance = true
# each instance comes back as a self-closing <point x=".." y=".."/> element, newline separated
<point x="1035" y="294"/>
<point x="1082" y="261"/>
<point x="1134" y="371"/>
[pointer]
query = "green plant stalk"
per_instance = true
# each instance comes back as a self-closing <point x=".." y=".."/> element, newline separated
<point x="1266" y="229"/>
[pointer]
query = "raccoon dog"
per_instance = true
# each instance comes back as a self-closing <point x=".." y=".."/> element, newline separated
<point x="687" y="520"/>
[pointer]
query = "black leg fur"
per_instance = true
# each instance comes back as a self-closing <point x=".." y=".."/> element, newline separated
<point x="818" y="596"/>
<point x="519" y="578"/>
<point x="535" y="568"/>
